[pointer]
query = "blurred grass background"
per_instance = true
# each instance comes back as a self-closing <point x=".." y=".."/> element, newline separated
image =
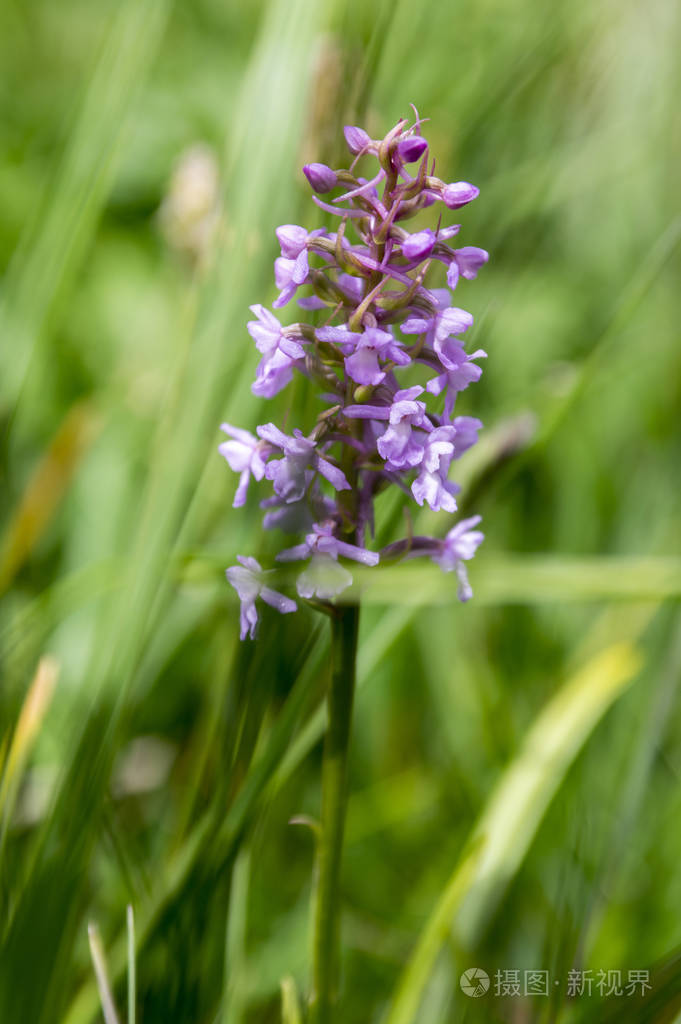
<point x="515" y="790"/>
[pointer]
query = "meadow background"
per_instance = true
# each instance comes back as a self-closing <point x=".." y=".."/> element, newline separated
<point x="516" y="763"/>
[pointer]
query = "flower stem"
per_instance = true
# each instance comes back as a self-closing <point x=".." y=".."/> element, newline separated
<point x="326" y="948"/>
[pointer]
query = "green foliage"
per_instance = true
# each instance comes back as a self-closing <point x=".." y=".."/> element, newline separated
<point x="512" y="802"/>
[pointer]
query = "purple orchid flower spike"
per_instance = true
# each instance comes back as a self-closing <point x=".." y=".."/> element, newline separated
<point x="379" y="320"/>
<point x="377" y="428"/>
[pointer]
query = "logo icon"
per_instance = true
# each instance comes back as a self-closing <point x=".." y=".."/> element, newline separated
<point x="474" y="982"/>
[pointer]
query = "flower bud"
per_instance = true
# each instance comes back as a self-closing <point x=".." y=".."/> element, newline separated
<point x="356" y="138"/>
<point x="362" y="393"/>
<point x="458" y="194"/>
<point x="321" y="177"/>
<point x="292" y="239"/>
<point x="412" y="149"/>
<point x="419" y="245"/>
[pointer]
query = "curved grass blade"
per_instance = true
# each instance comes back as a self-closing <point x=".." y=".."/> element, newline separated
<point x="50" y="251"/>
<point x="132" y="970"/>
<point x="526" y="579"/>
<point x="102" y="974"/>
<point x="223" y="838"/>
<point x="233" y="1008"/>
<point x="45" y="489"/>
<point x="290" y="1002"/>
<point x="511" y="818"/>
<point x="33" y="711"/>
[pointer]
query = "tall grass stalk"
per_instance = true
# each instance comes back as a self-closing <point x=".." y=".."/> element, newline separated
<point x="326" y="943"/>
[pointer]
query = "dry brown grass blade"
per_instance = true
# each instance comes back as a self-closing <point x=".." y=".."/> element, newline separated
<point x="33" y="711"/>
<point x="46" y="488"/>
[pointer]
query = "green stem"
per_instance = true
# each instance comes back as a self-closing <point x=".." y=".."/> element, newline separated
<point x="334" y="798"/>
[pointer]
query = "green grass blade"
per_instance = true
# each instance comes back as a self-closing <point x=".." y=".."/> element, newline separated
<point x="221" y="841"/>
<point x="102" y="975"/>
<point x="53" y="245"/>
<point x="510" y="820"/>
<point x="290" y="1002"/>
<point x="233" y="1004"/>
<point x="525" y="579"/>
<point x="235" y="946"/>
<point x="34" y="708"/>
<point x="132" y="973"/>
<point x="271" y="99"/>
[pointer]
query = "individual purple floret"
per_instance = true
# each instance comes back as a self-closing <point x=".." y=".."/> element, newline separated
<point x="288" y="276"/>
<point x="321" y="579"/>
<point x="402" y="444"/>
<point x="432" y="483"/>
<point x="248" y="581"/>
<point x="466" y="263"/>
<point x="379" y="334"/>
<point x="460" y="545"/>
<point x="323" y="540"/>
<point x="371" y="346"/>
<point x="459" y="370"/>
<point x="292" y="475"/>
<point x="280" y="349"/>
<point x="244" y="455"/>
<point x="441" y="324"/>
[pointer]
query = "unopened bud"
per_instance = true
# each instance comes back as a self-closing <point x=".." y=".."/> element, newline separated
<point x="458" y="194"/>
<point x="321" y="177"/>
<point x="412" y="149"/>
<point x="419" y="245"/>
<point x="292" y="239"/>
<point x="362" y="393"/>
<point x="356" y="138"/>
